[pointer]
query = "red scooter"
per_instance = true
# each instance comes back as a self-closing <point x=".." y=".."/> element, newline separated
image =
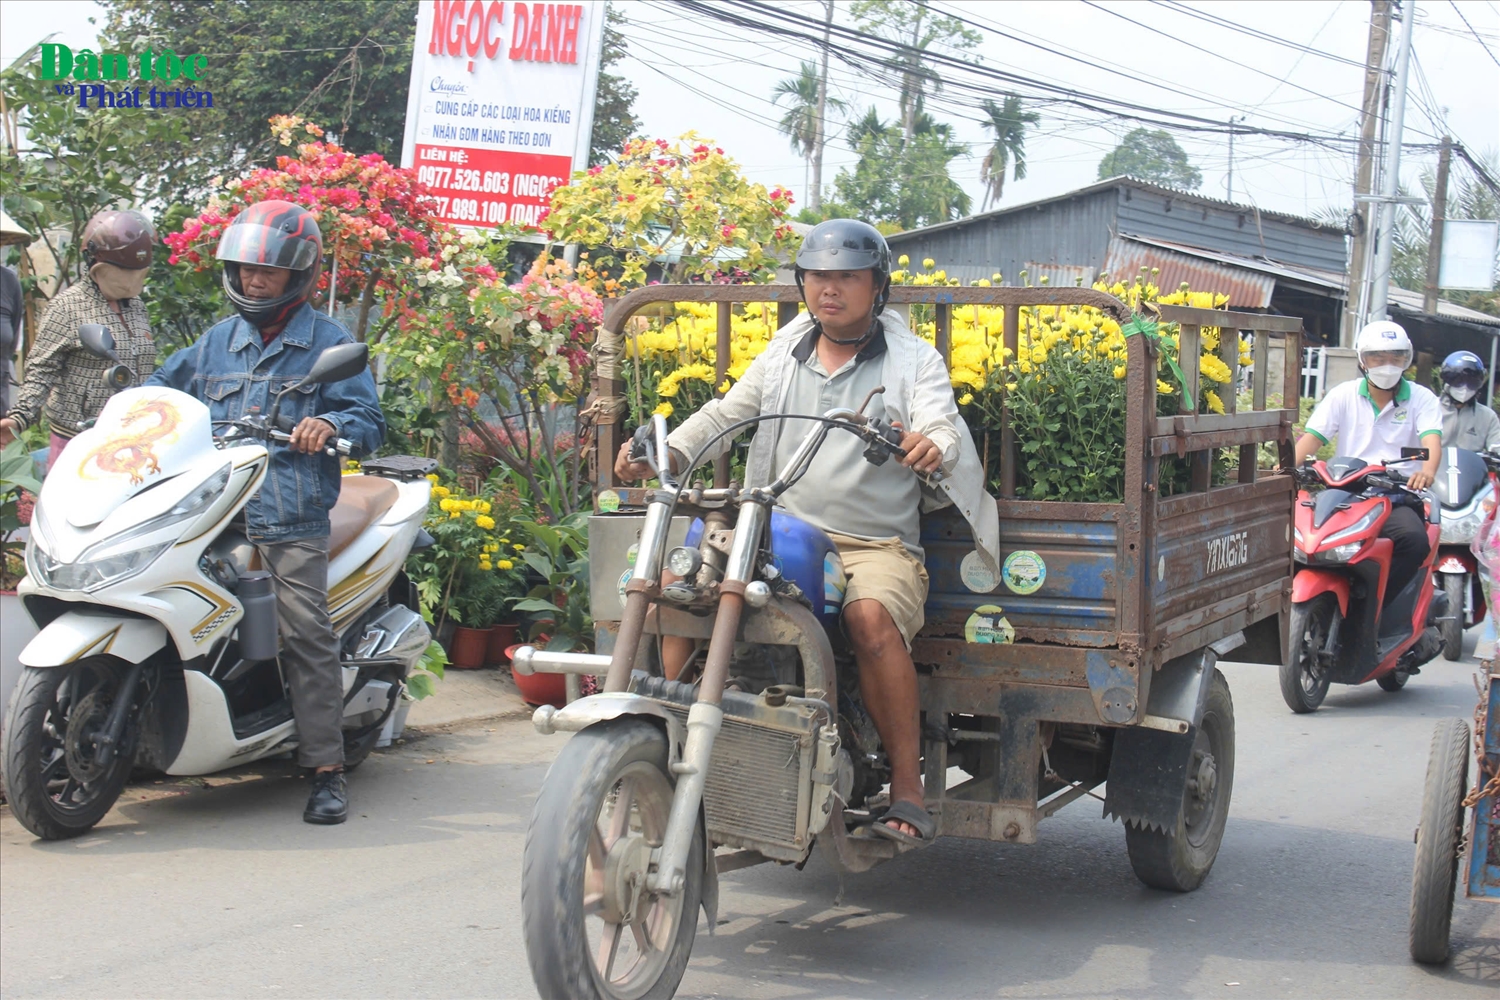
<point x="1342" y="628"/>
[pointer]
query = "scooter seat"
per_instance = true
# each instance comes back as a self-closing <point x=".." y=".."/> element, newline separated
<point x="362" y="501"/>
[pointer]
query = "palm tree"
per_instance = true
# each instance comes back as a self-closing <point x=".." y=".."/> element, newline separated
<point x="800" y="124"/>
<point x="1009" y="123"/>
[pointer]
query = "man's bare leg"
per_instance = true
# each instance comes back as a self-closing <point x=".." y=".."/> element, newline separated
<point x="888" y="683"/>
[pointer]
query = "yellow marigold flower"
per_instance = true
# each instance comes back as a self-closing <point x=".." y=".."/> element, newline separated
<point x="485" y="521"/>
<point x="1119" y="371"/>
<point x="445" y="504"/>
<point x="519" y="548"/>
<point x="662" y="409"/>
<point x="439" y="491"/>
<point x="432" y="477"/>
<point x="506" y="564"/>
<point x="1164" y="388"/>
<point x="929" y="263"/>
<point x="452" y="515"/>
<point x="903" y="260"/>
<point x="1215" y="404"/>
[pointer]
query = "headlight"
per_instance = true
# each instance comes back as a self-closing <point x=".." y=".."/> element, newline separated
<point x="1461" y="530"/>
<point x="1357" y="528"/>
<point x="113" y="559"/>
<point x="1339" y="553"/>
<point x="684" y="562"/>
<point x="91" y="574"/>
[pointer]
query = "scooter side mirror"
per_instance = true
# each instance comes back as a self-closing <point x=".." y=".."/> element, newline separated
<point x="335" y="364"/>
<point x="98" y="341"/>
<point x="343" y="361"/>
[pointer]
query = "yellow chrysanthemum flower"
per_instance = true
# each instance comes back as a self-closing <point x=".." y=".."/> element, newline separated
<point x="663" y="409"/>
<point x="966" y="399"/>
<point x="1119" y="371"/>
<point x="506" y="564"/>
<point x="903" y="260"/>
<point x="1214" y="368"/>
<point x="929" y="263"/>
<point x="485" y="521"/>
<point x="1215" y="404"/>
<point x="1165" y="388"/>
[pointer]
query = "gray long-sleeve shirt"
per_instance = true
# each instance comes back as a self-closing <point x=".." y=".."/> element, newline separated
<point x="1472" y="425"/>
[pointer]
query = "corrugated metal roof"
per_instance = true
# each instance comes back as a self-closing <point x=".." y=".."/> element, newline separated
<point x="1246" y="288"/>
<point x="1409" y="301"/>
<point x="1333" y="280"/>
<point x="1060" y="275"/>
<point x="1115" y="182"/>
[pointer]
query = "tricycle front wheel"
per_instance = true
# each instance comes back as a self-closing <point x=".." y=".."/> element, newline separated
<point x="1435" y="871"/>
<point x="593" y="930"/>
<point x="1179" y="859"/>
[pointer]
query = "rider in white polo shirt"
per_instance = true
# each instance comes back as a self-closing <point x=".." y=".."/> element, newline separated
<point x="1375" y="417"/>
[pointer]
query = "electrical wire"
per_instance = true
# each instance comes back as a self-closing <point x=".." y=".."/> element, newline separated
<point x="1465" y="20"/>
<point x="1283" y="80"/>
<point x="1214" y="19"/>
<point x="1098" y="104"/>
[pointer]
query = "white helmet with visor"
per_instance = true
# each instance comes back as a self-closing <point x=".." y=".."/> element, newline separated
<point x="1384" y="353"/>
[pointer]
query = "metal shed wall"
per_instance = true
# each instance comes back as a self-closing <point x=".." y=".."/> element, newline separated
<point x="1075" y="231"/>
<point x="1230" y="229"/>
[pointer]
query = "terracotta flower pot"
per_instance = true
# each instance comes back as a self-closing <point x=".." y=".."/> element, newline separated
<point x="468" y="647"/>
<point x="538" y="689"/>
<point x="502" y="637"/>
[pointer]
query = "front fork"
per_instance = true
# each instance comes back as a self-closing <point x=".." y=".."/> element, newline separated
<point x="705" y="717"/>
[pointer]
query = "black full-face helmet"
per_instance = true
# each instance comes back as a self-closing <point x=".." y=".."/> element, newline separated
<point x="847" y="245"/>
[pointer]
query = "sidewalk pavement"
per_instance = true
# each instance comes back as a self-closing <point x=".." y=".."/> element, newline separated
<point x="464" y="696"/>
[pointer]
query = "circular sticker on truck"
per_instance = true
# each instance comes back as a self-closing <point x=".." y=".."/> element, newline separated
<point x="976" y="575"/>
<point x="1024" y="572"/>
<point x="609" y="501"/>
<point x="988" y="626"/>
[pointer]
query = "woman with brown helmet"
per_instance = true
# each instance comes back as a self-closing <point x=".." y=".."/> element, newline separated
<point x="61" y="379"/>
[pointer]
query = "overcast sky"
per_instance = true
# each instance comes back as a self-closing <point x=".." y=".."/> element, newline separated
<point x="717" y="80"/>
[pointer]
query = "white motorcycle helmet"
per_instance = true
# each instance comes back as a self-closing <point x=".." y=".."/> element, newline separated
<point x="1384" y="352"/>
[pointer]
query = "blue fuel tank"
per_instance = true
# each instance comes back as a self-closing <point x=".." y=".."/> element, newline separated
<point x="806" y="556"/>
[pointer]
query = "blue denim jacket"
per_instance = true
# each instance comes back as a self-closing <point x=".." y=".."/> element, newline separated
<point x="230" y="370"/>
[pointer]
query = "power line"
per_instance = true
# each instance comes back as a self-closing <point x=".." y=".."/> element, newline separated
<point x="1465" y="20"/>
<point x="1281" y="80"/>
<point x="1098" y="104"/>
<point x="1183" y="8"/>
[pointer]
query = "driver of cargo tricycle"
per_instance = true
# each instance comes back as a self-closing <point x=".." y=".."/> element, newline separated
<point x="833" y="355"/>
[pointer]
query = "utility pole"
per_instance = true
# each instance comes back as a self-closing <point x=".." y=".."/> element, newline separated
<point x="1229" y="182"/>
<point x="815" y="200"/>
<point x="1439" y="213"/>
<point x="1380" y="280"/>
<point x="1380" y="33"/>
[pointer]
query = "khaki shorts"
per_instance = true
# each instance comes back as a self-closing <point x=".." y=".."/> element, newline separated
<point x="885" y="571"/>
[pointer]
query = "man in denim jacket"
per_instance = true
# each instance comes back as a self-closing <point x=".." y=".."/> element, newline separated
<point x="271" y="253"/>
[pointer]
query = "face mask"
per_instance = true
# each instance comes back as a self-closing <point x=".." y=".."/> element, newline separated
<point x="1385" y="376"/>
<point x="1462" y="393"/>
<point x="118" y="283"/>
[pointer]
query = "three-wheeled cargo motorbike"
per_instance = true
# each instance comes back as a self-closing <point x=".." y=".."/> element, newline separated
<point x="1447" y="797"/>
<point x="1089" y="658"/>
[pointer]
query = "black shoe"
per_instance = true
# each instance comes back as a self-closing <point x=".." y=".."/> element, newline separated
<point x="329" y="801"/>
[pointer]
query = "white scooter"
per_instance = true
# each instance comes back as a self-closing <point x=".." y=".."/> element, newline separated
<point x="158" y="644"/>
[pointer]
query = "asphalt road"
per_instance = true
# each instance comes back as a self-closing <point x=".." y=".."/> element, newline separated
<point x="209" y="889"/>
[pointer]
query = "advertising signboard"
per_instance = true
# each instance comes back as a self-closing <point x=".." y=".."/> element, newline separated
<point x="501" y="104"/>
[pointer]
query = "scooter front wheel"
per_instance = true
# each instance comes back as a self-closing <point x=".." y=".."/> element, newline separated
<point x="1454" y="585"/>
<point x="594" y="930"/>
<point x="1304" y="675"/>
<point x="56" y="785"/>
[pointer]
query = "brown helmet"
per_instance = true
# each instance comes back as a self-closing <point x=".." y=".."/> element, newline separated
<point x="122" y="237"/>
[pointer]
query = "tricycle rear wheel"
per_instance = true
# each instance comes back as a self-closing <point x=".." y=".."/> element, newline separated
<point x="1435" y="871"/>
<point x="593" y="930"/>
<point x="1179" y="859"/>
